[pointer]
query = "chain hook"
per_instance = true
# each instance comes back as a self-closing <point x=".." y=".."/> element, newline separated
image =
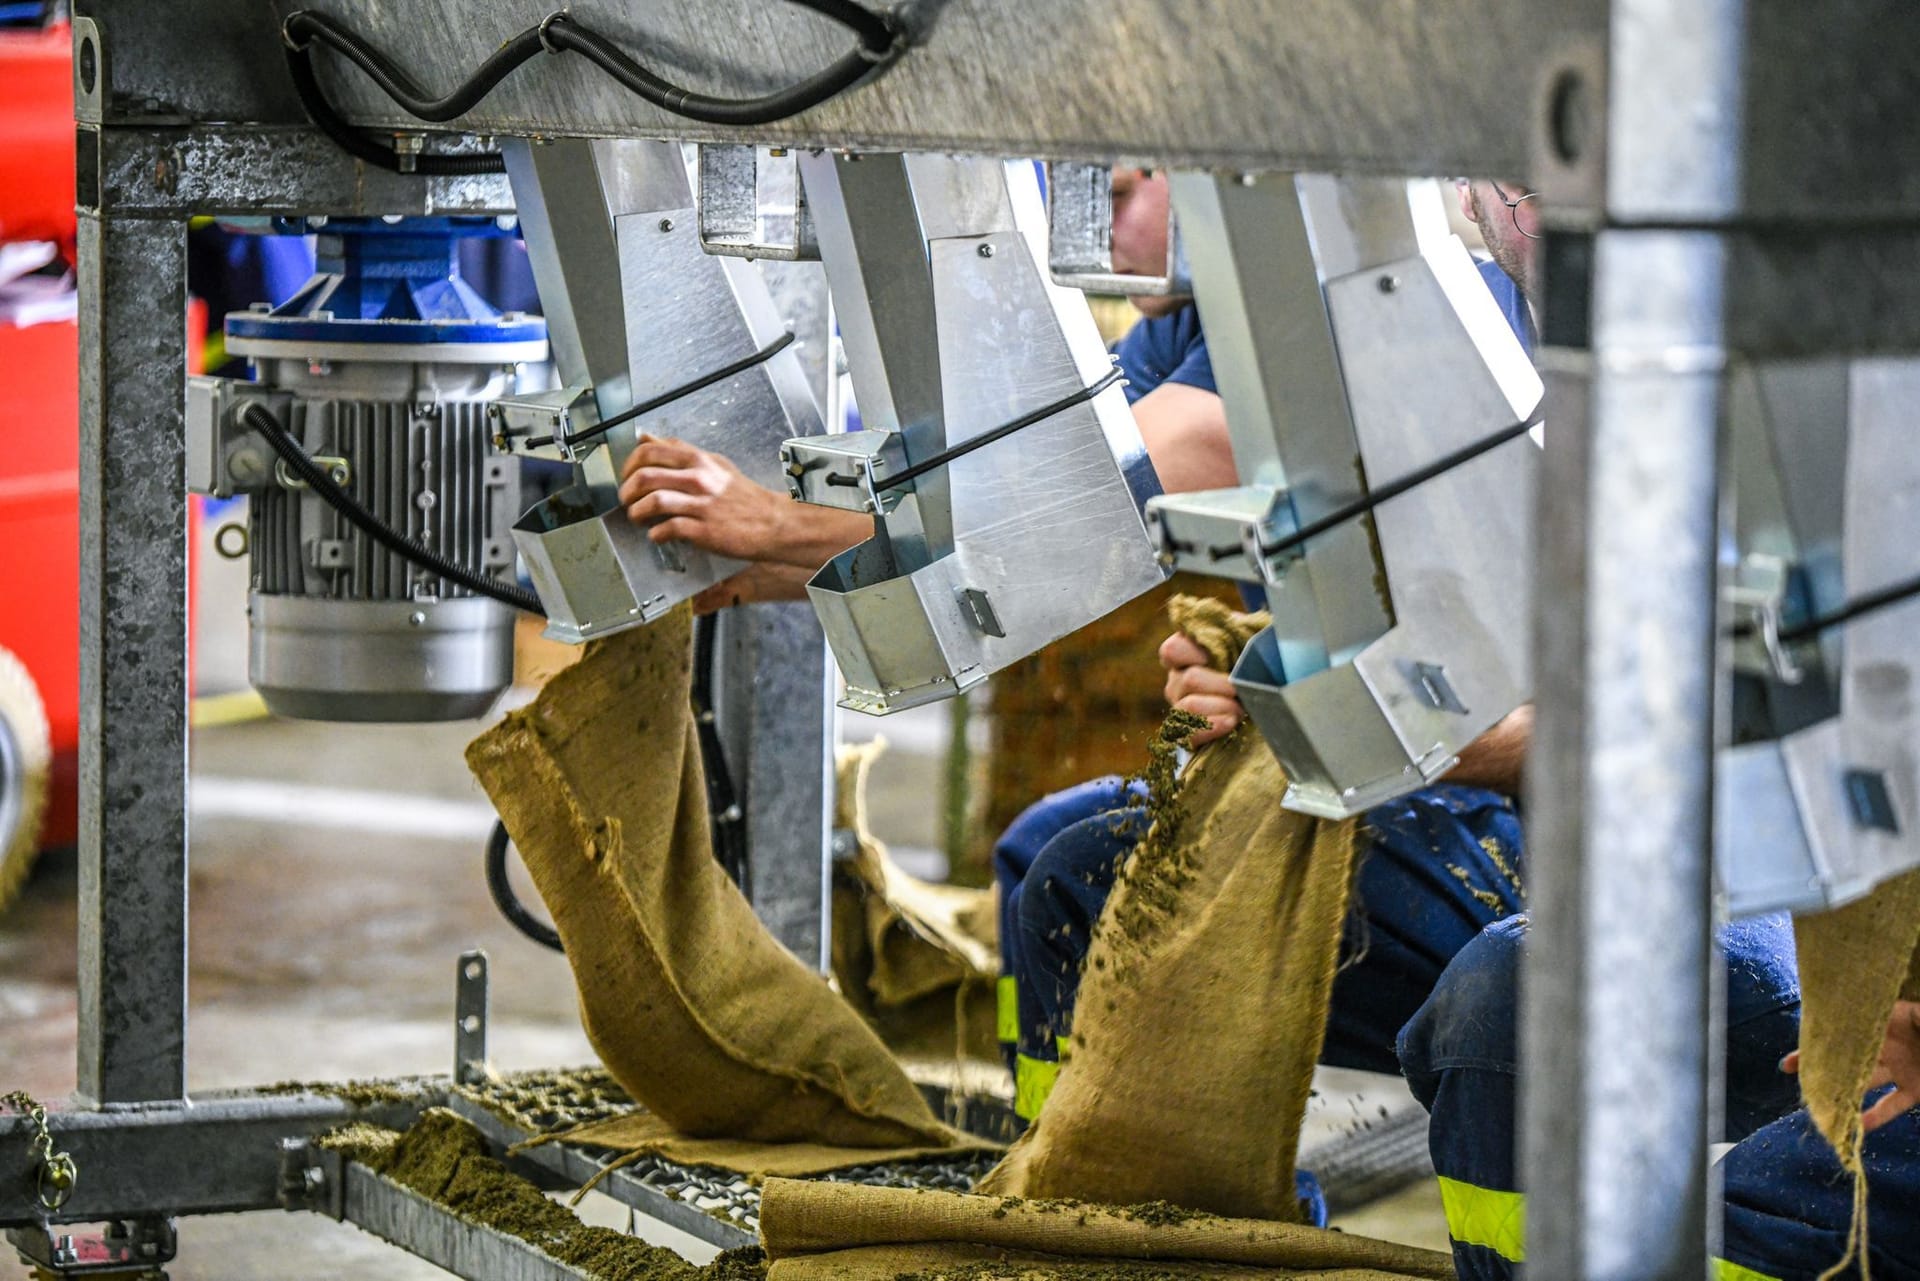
<point x="57" y="1172"/>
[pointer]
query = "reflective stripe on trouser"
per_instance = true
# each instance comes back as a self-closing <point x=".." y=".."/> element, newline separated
<point x="1033" y="1081"/>
<point x="1725" y="1271"/>
<point x="1013" y="856"/>
<point x="1459" y="1056"/>
<point x="1486" y="1217"/>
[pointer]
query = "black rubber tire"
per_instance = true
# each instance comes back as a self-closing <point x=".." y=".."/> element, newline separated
<point x="26" y="759"/>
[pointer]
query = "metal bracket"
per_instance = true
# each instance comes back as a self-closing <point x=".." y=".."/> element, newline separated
<point x="310" y="1178"/>
<point x="470" y="1018"/>
<point x="980" y="611"/>
<point x="846" y="470"/>
<point x="1080" y="237"/>
<point x="1222" y="532"/>
<point x="126" y="1250"/>
<point x="538" y="424"/>
<point x="1431" y="680"/>
<point x="750" y="203"/>
<point x="1756" y="602"/>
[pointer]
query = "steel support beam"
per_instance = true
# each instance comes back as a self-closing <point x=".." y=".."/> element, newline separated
<point x="1616" y="999"/>
<point x="262" y="169"/>
<point x="216" y="1155"/>
<point x="133" y="660"/>
<point x="1621" y="1030"/>
<point x="776" y="693"/>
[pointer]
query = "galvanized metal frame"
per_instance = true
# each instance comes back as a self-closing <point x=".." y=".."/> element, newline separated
<point x="1766" y="205"/>
<point x="145" y="1150"/>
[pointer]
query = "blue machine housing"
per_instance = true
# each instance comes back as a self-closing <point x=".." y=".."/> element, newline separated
<point x="389" y="283"/>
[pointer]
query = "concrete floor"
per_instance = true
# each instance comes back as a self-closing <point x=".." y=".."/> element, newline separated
<point x="335" y="879"/>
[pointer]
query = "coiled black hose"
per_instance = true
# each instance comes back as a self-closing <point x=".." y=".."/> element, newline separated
<point x="727" y="822"/>
<point x="504" y="898"/>
<point x="723" y="804"/>
<point x="880" y="44"/>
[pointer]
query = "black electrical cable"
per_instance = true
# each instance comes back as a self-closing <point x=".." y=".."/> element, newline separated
<point x="507" y="901"/>
<point x="1376" y="497"/>
<point x="1871" y="603"/>
<point x="362" y="146"/>
<point x="681" y="392"/>
<point x="257" y="418"/>
<point x="985" y="438"/>
<point x="723" y="799"/>
<point x="880" y="44"/>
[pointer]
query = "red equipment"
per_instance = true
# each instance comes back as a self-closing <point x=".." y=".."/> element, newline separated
<point x="39" y="400"/>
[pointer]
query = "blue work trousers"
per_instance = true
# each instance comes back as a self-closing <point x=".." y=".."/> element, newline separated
<point x="1435" y="868"/>
<point x="1788" y="1205"/>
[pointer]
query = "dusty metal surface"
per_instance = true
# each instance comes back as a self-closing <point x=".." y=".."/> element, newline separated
<point x="427" y="1229"/>
<point x="219" y="1154"/>
<point x="1229" y="82"/>
<point x="133" y="661"/>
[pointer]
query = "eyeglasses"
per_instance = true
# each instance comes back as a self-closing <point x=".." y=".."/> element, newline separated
<point x="1513" y="204"/>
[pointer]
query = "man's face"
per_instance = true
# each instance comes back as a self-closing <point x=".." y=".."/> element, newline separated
<point x="1140" y="234"/>
<point x="1510" y="233"/>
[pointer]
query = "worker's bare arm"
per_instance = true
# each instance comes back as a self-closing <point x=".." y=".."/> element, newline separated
<point x="1185" y="432"/>
<point x="763" y="581"/>
<point x="682" y="492"/>
<point x="1497" y="759"/>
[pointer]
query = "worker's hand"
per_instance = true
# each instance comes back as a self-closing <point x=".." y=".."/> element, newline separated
<point x="682" y="492"/>
<point x="1899" y="1067"/>
<point x="762" y="581"/>
<point x="1195" y="685"/>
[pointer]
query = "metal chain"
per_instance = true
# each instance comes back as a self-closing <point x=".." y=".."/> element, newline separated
<point x="57" y="1172"/>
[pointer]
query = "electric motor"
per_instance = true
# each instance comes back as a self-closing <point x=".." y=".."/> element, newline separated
<point x="380" y="369"/>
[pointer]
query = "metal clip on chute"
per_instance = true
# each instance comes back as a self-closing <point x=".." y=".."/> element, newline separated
<point x="1005" y="473"/>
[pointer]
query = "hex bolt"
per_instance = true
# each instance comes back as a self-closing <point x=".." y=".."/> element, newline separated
<point x="986" y="251"/>
<point x="666" y="224"/>
<point x="418" y="618"/>
<point x="1388" y="284"/>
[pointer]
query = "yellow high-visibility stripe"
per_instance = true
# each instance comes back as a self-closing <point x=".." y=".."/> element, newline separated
<point x="1726" y="1271"/>
<point x="1032" y="1082"/>
<point x="1006" y="1009"/>
<point x="1486" y="1217"/>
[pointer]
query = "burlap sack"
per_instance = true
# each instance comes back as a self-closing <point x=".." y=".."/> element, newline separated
<point x="641" y="1134"/>
<point x="1204" y="1002"/>
<point x="916" y="960"/>
<point x="925" y="938"/>
<point x="1854" y="962"/>
<point x="814" y="1230"/>
<point x="694" y="1008"/>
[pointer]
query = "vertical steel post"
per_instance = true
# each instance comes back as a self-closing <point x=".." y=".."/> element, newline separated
<point x="1639" y="153"/>
<point x="133" y="659"/>
<point x="1616" y="998"/>
<point x="776" y="693"/>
